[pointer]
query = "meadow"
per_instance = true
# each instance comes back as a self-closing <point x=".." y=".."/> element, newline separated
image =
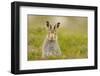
<point x="72" y="37"/>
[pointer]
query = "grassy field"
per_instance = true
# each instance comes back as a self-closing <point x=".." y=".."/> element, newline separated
<point x="72" y="37"/>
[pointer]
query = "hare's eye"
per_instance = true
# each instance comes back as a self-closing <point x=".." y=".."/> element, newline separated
<point x="50" y="27"/>
<point x="54" y="27"/>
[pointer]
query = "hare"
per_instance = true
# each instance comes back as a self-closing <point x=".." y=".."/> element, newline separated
<point x="50" y="45"/>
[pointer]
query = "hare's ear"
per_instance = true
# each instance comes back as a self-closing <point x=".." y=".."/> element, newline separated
<point x="47" y="24"/>
<point x="58" y="24"/>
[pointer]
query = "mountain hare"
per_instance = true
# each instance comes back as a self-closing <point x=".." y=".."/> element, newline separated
<point x="50" y="45"/>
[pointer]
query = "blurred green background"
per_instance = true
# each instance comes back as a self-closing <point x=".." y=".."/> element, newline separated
<point x="72" y="36"/>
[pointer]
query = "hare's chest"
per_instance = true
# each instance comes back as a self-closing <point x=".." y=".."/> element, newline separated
<point x="52" y="46"/>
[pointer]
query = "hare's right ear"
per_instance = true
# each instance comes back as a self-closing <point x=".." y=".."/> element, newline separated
<point x="58" y="24"/>
<point x="47" y="24"/>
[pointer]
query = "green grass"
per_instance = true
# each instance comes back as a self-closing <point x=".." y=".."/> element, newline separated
<point x="72" y="45"/>
<point x="72" y="42"/>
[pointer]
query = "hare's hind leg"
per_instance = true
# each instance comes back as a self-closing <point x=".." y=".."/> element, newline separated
<point x="45" y="54"/>
<point x="57" y="53"/>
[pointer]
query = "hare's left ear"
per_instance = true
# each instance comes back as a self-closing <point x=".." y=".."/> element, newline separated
<point x="58" y="24"/>
<point x="47" y="23"/>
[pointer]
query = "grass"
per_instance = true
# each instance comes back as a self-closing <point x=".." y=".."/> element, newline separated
<point x="72" y="42"/>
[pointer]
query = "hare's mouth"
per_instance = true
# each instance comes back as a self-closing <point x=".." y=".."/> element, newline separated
<point x="52" y="40"/>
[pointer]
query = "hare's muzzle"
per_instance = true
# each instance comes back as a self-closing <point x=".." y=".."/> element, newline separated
<point x="52" y="36"/>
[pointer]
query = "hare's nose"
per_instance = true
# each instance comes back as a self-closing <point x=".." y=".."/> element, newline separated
<point x="52" y="32"/>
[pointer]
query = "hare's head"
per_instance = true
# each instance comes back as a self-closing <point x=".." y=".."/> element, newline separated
<point x="52" y="30"/>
